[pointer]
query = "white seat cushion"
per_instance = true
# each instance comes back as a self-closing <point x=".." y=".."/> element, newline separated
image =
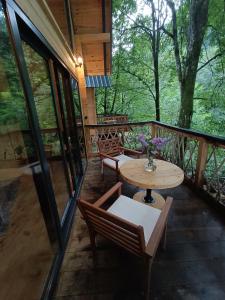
<point x="136" y="213"/>
<point x="122" y="159"/>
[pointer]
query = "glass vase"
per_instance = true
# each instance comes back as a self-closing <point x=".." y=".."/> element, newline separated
<point x="150" y="165"/>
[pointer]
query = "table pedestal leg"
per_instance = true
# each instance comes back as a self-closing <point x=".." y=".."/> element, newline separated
<point x="158" y="200"/>
<point x="148" y="198"/>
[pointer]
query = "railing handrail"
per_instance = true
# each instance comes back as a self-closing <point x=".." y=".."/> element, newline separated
<point x="209" y="138"/>
<point x="92" y="126"/>
<point x="112" y="115"/>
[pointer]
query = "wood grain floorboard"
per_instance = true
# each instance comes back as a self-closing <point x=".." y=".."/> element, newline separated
<point x="191" y="268"/>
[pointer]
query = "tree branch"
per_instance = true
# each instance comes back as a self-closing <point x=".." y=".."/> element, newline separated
<point x="167" y="32"/>
<point x="141" y="80"/>
<point x="144" y="28"/>
<point x="211" y="59"/>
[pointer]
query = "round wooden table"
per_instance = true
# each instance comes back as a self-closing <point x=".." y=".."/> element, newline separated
<point x="166" y="175"/>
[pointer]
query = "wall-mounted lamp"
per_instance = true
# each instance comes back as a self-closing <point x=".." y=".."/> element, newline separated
<point x="78" y="61"/>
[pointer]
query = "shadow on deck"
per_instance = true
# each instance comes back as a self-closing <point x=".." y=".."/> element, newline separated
<point x="191" y="268"/>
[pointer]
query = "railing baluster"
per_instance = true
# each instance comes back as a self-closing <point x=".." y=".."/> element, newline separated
<point x="201" y="162"/>
<point x="153" y="130"/>
<point x="201" y="156"/>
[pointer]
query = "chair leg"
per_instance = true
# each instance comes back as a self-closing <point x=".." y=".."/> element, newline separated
<point x="164" y="238"/>
<point x="149" y="261"/>
<point x="102" y="170"/>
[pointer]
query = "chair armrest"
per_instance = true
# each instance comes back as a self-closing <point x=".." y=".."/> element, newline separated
<point x="105" y="197"/>
<point x="159" y="229"/>
<point x="107" y="156"/>
<point x="131" y="151"/>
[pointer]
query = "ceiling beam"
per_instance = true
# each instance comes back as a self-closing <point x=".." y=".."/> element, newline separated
<point x="94" y="37"/>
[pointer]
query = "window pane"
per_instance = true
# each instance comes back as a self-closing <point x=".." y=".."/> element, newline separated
<point x="73" y="150"/>
<point x="78" y="116"/>
<point x="25" y="252"/>
<point x="39" y="76"/>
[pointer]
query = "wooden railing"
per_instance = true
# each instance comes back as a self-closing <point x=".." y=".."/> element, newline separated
<point x="111" y="119"/>
<point x="201" y="156"/>
<point x="13" y="143"/>
<point x="127" y="131"/>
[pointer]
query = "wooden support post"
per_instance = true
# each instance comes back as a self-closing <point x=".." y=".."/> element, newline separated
<point x="87" y="96"/>
<point x="92" y="118"/>
<point x="81" y="81"/>
<point x="83" y="95"/>
<point x="201" y="161"/>
<point x="91" y="106"/>
<point x="154" y="130"/>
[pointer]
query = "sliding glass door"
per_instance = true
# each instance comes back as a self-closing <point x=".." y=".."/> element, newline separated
<point x="28" y="239"/>
<point x="46" y="111"/>
<point x="70" y="132"/>
<point x="41" y="158"/>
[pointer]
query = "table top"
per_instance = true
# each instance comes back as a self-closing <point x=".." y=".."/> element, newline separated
<point x="166" y="175"/>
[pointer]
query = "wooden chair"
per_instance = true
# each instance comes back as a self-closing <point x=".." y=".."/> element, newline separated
<point x="135" y="226"/>
<point x="112" y="154"/>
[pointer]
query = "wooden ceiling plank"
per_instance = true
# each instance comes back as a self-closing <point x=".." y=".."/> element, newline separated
<point x="95" y="37"/>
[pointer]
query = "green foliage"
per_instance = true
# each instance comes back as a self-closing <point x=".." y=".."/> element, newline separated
<point x="132" y="77"/>
<point x="11" y="94"/>
<point x="133" y="74"/>
<point x="41" y="87"/>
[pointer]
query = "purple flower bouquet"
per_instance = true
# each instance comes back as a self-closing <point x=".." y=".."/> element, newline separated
<point x="152" y="147"/>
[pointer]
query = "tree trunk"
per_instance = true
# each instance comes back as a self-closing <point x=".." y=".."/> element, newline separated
<point x="197" y="26"/>
<point x="116" y="89"/>
<point x="186" y="107"/>
<point x="155" y="39"/>
<point x="157" y="94"/>
<point x="198" y="17"/>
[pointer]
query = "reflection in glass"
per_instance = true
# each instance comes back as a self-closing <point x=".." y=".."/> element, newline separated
<point x="25" y="251"/>
<point x="39" y="77"/>
<point x="67" y="131"/>
<point x="79" y="122"/>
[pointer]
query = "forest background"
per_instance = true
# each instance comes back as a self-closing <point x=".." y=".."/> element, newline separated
<point x="168" y="63"/>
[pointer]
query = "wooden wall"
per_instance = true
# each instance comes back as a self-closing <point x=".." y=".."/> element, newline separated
<point x="41" y="16"/>
<point x="87" y="19"/>
<point x="58" y="9"/>
<point x="89" y="26"/>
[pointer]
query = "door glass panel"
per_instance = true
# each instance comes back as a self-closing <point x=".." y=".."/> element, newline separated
<point x="78" y="116"/>
<point x="42" y="93"/>
<point x="71" y="133"/>
<point x="66" y="132"/>
<point x="26" y="254"/>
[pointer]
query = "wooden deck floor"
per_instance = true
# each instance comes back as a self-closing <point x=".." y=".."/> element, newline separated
<point x="191" y="268"/>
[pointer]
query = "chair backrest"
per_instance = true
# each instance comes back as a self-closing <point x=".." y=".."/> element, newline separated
<point x="110" y="146"/>
<point x="123" y="233"/>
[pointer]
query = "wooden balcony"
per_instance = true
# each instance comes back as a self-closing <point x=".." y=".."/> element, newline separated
<point x="193" y="265"/>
